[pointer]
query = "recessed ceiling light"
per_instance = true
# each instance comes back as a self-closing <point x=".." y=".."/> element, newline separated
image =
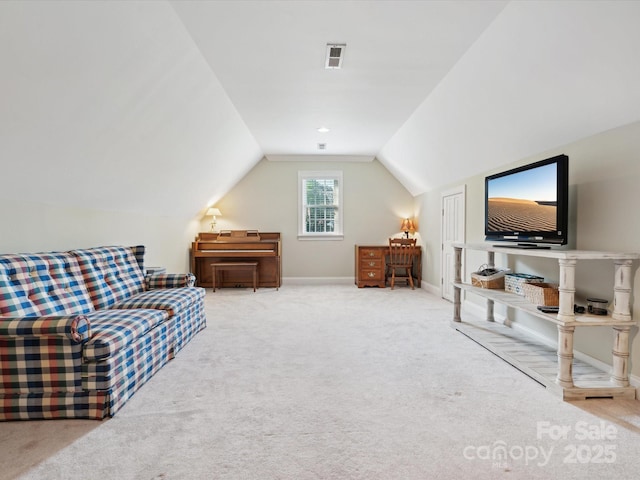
<point x="323" y="129"/>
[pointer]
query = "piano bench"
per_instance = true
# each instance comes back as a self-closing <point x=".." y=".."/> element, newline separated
<point x="235" y="266"/>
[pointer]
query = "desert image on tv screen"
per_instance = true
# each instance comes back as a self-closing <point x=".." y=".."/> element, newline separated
<point x="523" y="202"/>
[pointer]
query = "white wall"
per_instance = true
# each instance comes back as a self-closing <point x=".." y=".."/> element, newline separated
<point x="113" y="129"/>
<point x="604" y="177"/>
<point x="266" y="199"/>
<point x="111" y="106"/>
<point x="544" y="74"/>
<point x="35" y="227"/>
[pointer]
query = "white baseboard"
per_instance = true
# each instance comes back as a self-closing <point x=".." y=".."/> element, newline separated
<point x="431" y="288"/>
<point x="344" y="281"/>
<point x="318" y="280"/>
<point x="479" y="311"/>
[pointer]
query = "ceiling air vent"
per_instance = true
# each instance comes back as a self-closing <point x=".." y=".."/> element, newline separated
<point x="335" y="54"/>
<point x="322" y="146"/>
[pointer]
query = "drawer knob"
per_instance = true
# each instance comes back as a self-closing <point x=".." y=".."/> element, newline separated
<point x="371" y="274"/>
<point x="372" y="264"/>
<point x="371" y="254"/>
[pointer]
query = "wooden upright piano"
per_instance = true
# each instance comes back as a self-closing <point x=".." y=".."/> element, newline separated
<point x="242" y="246"/>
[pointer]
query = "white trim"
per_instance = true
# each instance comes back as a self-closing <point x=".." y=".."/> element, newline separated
<point x="320" y="158"/>
<point x="459" y="190"/>
<point x="319" y="281"/>
<point x="437" y="291"/>
<point x="317" y="236"/>
<point x="339" y="226"/>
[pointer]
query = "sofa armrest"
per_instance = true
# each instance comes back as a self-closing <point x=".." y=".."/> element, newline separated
<point x="76" y="328"/>
<point x="170" y="280"/>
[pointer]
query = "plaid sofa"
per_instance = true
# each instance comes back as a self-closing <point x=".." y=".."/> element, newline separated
<point x="81" y="331"/>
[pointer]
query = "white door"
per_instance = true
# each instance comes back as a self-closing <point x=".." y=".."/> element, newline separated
<point x="453" y="222"/>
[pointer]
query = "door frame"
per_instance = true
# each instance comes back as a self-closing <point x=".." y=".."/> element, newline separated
<point x="459" y="190"/>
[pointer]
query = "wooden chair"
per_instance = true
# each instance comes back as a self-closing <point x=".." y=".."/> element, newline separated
<point x="401" y="254"/>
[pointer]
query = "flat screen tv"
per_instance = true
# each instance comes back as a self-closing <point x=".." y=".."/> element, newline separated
<point x="527" y="207"/>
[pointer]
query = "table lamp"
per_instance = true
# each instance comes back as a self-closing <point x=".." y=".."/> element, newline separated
<point x="407" y="226"/>
<point x="214" y="212"/>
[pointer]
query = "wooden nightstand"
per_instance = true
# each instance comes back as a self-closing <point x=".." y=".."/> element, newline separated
<point x="370" y="266"/>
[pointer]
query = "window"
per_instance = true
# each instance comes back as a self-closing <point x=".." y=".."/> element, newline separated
<point x="320" y="205"/>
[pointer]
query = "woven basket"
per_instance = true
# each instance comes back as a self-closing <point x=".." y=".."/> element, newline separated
<point x="541" y="294"/>
<point x="493" y="282"/>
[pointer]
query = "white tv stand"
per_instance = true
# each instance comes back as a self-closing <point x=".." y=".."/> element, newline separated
<point x="557" y="374"/>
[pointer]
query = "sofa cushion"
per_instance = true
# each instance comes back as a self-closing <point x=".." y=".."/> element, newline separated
<point x="42" y="284"/>
<point x="113" y="330"/>
<point x="173" y="300"/>
<point x="111" y="274"/>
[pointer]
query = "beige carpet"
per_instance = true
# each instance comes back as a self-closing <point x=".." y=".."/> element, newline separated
<point x="333" y="382"/>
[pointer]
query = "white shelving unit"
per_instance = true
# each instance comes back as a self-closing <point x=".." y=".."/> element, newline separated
<point x="558" y="374"/>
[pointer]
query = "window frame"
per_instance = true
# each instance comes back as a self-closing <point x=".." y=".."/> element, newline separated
<point x="338" y="233"/>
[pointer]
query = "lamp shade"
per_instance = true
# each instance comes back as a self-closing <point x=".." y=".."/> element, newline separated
<point x="214" y="211"/>
<point x="407" y="225"/>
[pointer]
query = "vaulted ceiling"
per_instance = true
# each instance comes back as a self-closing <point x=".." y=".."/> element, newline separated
<point x="108" y="104"/>
<point x="270" y="59"/>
